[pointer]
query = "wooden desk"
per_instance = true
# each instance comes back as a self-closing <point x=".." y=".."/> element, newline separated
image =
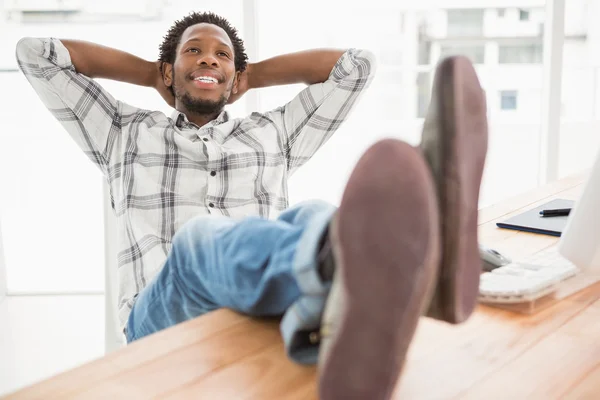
<point x="495" y="355"/>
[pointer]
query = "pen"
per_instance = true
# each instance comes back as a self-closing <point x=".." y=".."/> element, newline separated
<point x="559" y="212"/>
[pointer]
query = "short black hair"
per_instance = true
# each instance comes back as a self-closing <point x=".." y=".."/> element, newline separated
<point x="168" y="48"/>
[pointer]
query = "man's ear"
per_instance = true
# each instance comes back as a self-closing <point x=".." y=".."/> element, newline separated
<point x="167" y="73"/>
<point x="236" y="81"/>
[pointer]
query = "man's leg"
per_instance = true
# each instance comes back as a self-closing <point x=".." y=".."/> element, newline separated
<point x="385" y="246"/>
<point x="454" y="143"/>
<point x="245" y="265"/>
<point x="406" y="229"/>
<point x="385" y="243"/>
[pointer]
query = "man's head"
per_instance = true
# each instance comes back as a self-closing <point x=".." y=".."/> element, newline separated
<point x="203" y="58"/>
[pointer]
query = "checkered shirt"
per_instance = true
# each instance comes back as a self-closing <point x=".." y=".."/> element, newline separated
<point x="164" y="170"/>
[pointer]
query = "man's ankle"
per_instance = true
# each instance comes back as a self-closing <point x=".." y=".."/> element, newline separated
<point x="325" y="261"/>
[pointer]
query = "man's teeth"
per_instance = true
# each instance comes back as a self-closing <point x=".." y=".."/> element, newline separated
<point x="206" y="79"/>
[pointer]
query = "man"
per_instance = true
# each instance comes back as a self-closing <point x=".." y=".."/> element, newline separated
<point x="202" y="208"/>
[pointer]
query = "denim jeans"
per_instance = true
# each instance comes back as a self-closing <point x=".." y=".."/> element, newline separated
<point x="255" y="266"/>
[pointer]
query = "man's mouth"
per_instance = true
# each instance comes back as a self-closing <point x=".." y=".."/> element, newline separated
<point x="206" y="79"/>
<point x="206" y="82"/>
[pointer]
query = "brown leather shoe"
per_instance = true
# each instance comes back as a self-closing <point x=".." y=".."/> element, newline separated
<point x="385" y="243"/>
<point x="454" y="144"/>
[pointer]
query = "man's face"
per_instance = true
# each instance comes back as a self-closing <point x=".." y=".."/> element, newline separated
<point x="203" y="75"/>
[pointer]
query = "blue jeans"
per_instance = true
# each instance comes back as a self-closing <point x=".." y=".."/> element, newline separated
<point x="255" y="266"/>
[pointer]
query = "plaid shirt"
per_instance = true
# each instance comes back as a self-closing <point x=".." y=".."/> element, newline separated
<point x="162" y="170"/>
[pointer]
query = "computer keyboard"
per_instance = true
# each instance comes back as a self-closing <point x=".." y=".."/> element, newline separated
<point x="526" y="279"/>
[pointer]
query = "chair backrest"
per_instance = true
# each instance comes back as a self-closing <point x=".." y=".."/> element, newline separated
<point x="2" y="267"/>
<point x="114" y="338"/>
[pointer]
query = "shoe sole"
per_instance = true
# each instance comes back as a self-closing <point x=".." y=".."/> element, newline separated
<point x="456" y="146"/>
<point x="386" y="248"/>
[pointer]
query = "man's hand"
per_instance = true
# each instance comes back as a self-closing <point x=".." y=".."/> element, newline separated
<point x="159" y="85"/>
<point x="242" y="86"/>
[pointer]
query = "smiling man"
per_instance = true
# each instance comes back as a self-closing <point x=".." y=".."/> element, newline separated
<point x="201" y="91"/>
<point x="202" y="208"/>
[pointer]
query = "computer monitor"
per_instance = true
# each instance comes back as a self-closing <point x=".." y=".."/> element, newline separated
<point x="580" y="241"/>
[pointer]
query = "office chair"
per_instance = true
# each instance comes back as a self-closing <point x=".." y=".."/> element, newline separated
<point x="114" y="337"/>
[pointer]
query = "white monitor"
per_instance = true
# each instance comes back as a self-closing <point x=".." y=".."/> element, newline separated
<point x="580" y="241"/>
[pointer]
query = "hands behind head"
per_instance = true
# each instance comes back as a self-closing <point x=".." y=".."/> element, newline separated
<point x="163" y="90"/>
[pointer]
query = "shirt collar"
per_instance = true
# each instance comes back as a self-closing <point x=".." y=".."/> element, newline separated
<point x="181" y="119"/>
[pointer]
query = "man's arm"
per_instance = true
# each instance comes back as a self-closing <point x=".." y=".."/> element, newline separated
<point x="97" y="61"/>
<point x="58" y="73"/>
<point x="309" y="67"/>
<point x="336" y="81"/>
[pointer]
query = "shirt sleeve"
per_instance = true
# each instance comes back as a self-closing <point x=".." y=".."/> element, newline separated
<point x="311" y="118"/>
<point x="90" y="114"/>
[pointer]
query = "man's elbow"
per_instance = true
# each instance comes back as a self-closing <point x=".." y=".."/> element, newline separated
<point x="28" y="47"/>
<point x="367" y="63"/>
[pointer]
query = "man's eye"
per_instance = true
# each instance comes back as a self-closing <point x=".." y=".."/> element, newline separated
<point x="222" y="53"/>
<point x="193" y="49"/>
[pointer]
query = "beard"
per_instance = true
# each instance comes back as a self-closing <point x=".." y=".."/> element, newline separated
<point x="199" y="106"/>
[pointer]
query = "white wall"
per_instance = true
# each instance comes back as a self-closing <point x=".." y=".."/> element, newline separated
<point x="2" y="269"/>
<point x="51" y="199"/>
<point x="593" y="32"/>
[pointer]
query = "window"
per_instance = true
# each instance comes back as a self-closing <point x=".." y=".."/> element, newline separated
<point x="523" y="15"/>
<point x="423" y="93"/>
<point x="2" y="269"/>
<point x="465" y="22"/>
<point x="580" y="98"/>
<point x="476" y="53"/>
<point x="424" y="52"/>
<point x="401" y="23"/>
<point x="508" y="100"/>
<point x="520" y="54"/>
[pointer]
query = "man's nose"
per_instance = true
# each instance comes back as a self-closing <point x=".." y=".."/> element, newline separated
<point x="208" y="60"/>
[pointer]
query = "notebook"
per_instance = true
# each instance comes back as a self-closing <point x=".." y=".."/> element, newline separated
<point x="532" y="221"/>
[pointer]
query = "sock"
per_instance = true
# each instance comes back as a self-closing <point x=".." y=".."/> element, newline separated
<point x="325" y="261"/>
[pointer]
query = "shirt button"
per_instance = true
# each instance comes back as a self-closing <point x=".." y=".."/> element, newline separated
<point x="205" y="139"/>
<point x="213" y="173"/>
<point x="211" y="205"/>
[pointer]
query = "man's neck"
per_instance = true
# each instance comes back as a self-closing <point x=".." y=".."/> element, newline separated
<point x="198" y="119"/>
<point x="201" y="120"/>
